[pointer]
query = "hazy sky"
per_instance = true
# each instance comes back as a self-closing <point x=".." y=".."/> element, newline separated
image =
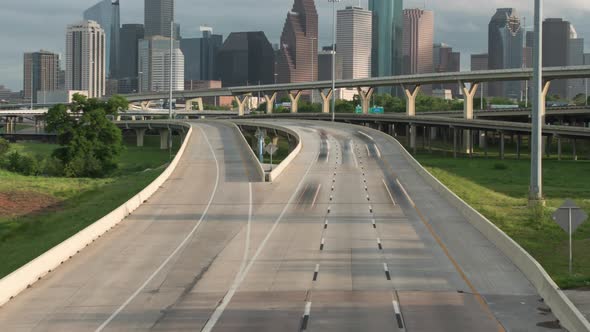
<point x="28" y="25"/>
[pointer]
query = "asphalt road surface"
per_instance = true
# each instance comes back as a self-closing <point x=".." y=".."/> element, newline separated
<point x="349" y="238"/>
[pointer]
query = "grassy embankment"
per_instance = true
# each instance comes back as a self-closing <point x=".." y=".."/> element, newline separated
<point x="498" y="189"/>
<point x="76" y="202"/>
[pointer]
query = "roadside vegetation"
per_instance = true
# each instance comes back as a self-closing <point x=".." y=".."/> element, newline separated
<point x="49" y="192"/>
<point x="498" y="189"/>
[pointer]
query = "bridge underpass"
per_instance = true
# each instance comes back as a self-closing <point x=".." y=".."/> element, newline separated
<point x="349" y="238"/>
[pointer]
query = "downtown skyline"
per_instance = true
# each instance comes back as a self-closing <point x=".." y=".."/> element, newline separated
<point x="469" y="37"/>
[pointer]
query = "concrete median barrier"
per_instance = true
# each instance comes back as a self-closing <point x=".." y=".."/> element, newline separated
<point x="27" y="275"/>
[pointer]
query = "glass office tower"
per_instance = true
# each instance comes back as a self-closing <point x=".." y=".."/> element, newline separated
<point x="388" y="24"/>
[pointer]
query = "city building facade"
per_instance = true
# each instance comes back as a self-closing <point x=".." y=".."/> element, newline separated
<point x="387" y="35"/>
<point x="505" y="50"/>
<point x="299" y="44"/>
<point x="41" y="73"/>
<point x="479" y="62"/>
<point x="246" y="58"/>
<point x="107" y="14"/>
<point x="154" y="65"/>
<point x="353" y="46"/>
<point x="325" y="65"/>
<point x="158" y="16"/>
<point x="445" y="60"/>
<point x="417" y="41"/>
<point x="86" y="58"/>
<point x="131" y="34"/>
<point x="200" y="55"/>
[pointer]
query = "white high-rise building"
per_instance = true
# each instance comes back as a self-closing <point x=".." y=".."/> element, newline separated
<point x="85" y="58"/>
<point x="154" y="65"/>
<point x="354" y="43"/>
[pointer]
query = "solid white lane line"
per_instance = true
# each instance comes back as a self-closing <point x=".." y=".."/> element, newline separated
<point x="315" y="197"/>
<point x="405" y="193"/>
<point x="378" y="151"/>
<point x="369" y="137"/>
<point x="178" y="248"/>
<point x="328" y="152"/>
<point x="232" y="291"/>
<point x="356" y="163"/>
<point x="389" y="192"/>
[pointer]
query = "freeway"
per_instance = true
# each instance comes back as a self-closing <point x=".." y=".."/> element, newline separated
<point x="350" y="238"/>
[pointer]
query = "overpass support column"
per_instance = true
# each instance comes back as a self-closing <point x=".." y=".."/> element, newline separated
<point x="189" y="104"/>
<point x="411" y="95"/>
<point x="468" y="94"/>
<point x="270" y="102"/>
<point x="502" y="146"/>
<point x="365" y="97"/>
<point x="326" y="99"/>
<point x="543" y="97"/>
<point x="164" y="138"/>
<point x="145" y="105"/>
<point x="559" y="148"/>
<point x="241" y="101"/>
<point x="295" y="100"/>
<point x="140" y="135"/>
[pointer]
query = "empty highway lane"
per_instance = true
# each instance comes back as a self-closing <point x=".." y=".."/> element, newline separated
<point x="349" y="238"/>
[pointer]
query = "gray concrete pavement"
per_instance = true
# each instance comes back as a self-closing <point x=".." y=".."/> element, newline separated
<point x="335" y="244"/>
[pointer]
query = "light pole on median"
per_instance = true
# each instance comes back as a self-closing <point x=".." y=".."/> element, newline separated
<point x="171" y="68"/>
<point x="333" y="58"/>
<point x="536" y="187"/>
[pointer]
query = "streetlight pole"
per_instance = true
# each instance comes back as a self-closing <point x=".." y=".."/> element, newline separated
<point x="171" y="68"/>
<point x="536" y="188"/>
<point x="313" y="56"/>
<point x="333" y="58"/>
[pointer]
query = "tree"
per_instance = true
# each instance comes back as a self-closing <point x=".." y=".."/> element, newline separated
<point x="4" y="146"/>
<point x="580" y="99"/>
<point x="90" y="144"/>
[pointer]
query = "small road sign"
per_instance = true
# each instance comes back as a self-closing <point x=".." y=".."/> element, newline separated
<point x="569" y="217"/>
<point x="271" y="149"/>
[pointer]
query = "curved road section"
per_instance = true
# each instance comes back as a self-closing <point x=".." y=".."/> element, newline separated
<point x="349" y="238"/>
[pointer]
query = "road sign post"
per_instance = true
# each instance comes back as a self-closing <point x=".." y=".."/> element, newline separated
<point x="271" y="149"/>
<point x="569" y="217"/>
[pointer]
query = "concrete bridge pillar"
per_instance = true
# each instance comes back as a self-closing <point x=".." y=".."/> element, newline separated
<point x="326" y="98"/>
<point x="468" y="94"/>
<point x="270" y="102"/>
<point x="164" y="138"/>
<point x="241" y="101"/>
<point x="189" y="104"/>
<point x="411" y="95"/>
<point x="483" y="139"/>
<point x="145" y="105"/>
<point x="543" y="99"/>
<point x="365" y="97"/>
<point x="295" y="100"/>
<point x="502" y="145"/>
<point x="140" y="135"/>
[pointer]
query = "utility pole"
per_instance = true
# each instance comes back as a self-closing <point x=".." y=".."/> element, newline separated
<point x="536" y="186"/>
<point x="333" y="58"/>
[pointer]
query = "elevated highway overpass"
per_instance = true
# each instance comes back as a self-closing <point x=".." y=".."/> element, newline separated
<point x="351" y="237"/>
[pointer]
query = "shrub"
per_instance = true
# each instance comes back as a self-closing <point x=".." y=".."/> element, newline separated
<point x="4" y="146"/>
<point x="500" y="166"/>
<point x="22" y="163"/>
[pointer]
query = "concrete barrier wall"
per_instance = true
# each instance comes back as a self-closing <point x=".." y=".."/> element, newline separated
<point x="277" y="171"/>
<point x="24" y="277"/>
<point x="250" y="153"/>
<point x="568" y="314"/>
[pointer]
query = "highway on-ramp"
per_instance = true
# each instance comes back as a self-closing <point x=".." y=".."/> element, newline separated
<point x="348" y="238"/>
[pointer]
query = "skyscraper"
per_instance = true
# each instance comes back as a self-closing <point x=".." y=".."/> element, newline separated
<point x="418" y="41"/>
<point x="85" y="58"/>
<point x="106" y="14"/>
<point x="505" y="49"/>
<point x="388" y="24"/>
<point x="128" y="73"/>
<point x="354" y="48"/>
<point x="246" y="58"/>
<point x="480" y="62"/>
<point x="445" y="61"/>
<point x="154" y="65"/>
<point x="43" y="69"/>
<point x="158" y="15"/>
<point x="299" y="44"/>
<point x="200" y="55"/>
<point x="562" y="47"/>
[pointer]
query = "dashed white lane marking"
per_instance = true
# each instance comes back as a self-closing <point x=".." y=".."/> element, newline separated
<point x="367" y="136"/>
<point x="405" y="193"/>
<point x="356" y="163"/>
<point x="386" y="269"/>
<point x="233" y="289"/>
<point x="305" y="318"/>
<point x="326" y="224"/>
<point x="328" y="150"/>
<point x="315" y="197"/>
<point x="379" y="244"/>
<point x="316" y="272"/>
<point x="322" y="244"/>
<point x="374" y="224"/>
<point x="398" y="315"/>
<point x="368" y="152"/>
<point x="389" y="192"/>
<point x="178" y="248"/>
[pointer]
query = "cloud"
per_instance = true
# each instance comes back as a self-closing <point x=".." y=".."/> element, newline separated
<point x="29" y="25"/>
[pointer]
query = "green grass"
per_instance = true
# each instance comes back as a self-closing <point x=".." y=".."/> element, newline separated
<point x="498" y="190"/>
<point x="82" y="201"/>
